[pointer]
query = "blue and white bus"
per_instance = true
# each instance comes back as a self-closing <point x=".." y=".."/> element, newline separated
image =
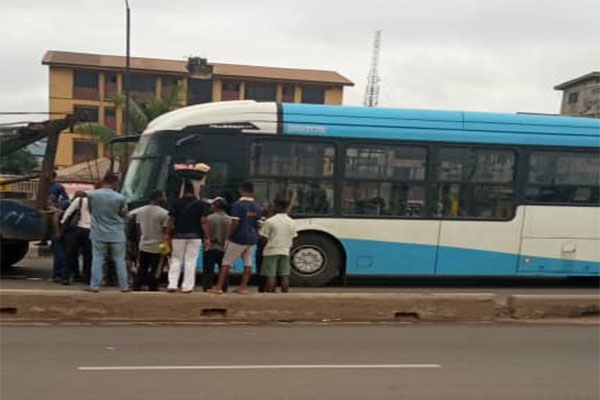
<point x="379" y="191"/>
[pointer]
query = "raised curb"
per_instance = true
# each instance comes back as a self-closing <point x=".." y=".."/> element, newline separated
<point x="111" y="306"/>
<point x="525" y="306"/>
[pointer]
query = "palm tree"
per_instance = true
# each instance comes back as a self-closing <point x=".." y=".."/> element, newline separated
<point x="140" y="114"/>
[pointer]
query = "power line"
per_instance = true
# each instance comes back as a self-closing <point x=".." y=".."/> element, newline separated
<point x="17" y="123"/>
<point x="34" y="112"/>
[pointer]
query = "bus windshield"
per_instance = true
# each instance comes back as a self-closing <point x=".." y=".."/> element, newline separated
<point x="139" y="180"/>
<point x="148" y="145"/>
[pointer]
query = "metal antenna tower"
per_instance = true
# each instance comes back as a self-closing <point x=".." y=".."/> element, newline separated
<point x="372" y="90"/>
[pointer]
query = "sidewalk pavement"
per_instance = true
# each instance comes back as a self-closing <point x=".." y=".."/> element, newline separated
<point x="53" y="306"/>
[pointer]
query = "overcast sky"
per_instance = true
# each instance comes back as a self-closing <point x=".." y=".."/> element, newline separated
<point x="483" y="55"/>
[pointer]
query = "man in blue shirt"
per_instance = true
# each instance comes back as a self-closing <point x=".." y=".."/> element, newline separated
<point x="57" y="191"/>
<point x="108" y="209"/>
<point x="57" y="195"/>
<point x="243" y="236"/>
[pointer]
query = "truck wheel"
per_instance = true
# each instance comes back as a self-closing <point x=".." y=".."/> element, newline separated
<point x="12" y="252"/>
<point x="315" y="260"/>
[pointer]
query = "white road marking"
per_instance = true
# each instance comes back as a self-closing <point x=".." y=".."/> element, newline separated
<point x="254" y="367"/>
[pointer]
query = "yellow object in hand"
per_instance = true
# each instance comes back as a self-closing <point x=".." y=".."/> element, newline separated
<point x="164" y="249"/>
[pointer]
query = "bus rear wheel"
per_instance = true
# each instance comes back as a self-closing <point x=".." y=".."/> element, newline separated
<point x="315" y="260"/>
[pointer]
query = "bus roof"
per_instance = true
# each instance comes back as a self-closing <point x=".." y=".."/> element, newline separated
<point x="262" y="115"/>
<point x="444" y="126"/>
<point x="387" y="123"/>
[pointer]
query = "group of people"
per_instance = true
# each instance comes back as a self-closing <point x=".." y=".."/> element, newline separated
<point x="94" y="225"/>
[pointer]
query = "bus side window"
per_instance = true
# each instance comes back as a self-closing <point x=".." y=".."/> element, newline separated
<point x="300" y="171"/>
<point x="305" y="197"/>
<point x="563" y="177"/>
<point x="475" y="183"/>
<point x="384" y="180"/>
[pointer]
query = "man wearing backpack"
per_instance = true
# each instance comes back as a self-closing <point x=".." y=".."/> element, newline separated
<point x="75" y="224"/>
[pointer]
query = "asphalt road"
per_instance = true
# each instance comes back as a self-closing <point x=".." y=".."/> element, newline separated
<point x="478" y="361"/>
<point x="35" y="273"/>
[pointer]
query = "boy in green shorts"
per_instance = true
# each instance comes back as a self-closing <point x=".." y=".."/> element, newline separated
<point x="279" y="231"/>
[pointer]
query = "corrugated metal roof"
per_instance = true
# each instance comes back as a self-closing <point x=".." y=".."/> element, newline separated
<point x="91" y="171"/>
<point x="179" y="67"/>
<point x="591" y="75"/>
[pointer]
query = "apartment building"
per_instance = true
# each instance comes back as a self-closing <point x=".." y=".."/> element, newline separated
<point x="88" y="82"/>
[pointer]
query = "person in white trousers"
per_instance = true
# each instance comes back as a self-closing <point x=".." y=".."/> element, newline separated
<point x="188" y="228"/>
<point x="184" y="251"/>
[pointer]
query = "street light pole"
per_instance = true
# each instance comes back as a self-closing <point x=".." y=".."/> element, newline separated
<point x="127" y="77"/>
<point x="127" y="81"/>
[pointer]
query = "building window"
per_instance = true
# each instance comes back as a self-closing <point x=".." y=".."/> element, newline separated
<point x="199" y="91"/>
<point x="142" y="87"/>
<point x="563" y="177"/>
<point x="573" y="97"/>
<point x="301" y="172"/>
<point x="84" y="150"/>
<point x="287" y="93"/>
<point x="143" y="83"/>
<point x="110" y="85"/>
<point x="230" y="91"/>
<point x="474" y="183"/>
<point x="111" y="79"/>
<point x="260" y="91"/>
<point x="313" y="95"/>
<point x="169" y="87"/>
<point x="110" y="118"/>
<point x="89" y="111"/>
<point x="384" y="180"/>
<point x="85" y="85"/>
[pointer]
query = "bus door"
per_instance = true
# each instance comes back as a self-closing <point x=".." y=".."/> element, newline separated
<point x="486" y="241"/>
<point x="481" y="224"/>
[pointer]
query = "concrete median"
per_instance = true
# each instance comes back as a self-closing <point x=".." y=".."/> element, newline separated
<point x="110" y="306"/>
<point x="553" y="306"/>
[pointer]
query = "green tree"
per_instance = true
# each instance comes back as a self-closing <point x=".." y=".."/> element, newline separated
<point x="20" y="162"/>
<point x="140" y="115"/>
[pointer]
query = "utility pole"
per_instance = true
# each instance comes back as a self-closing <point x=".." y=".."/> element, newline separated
<point x="371" y="98"/>
<point x="127" y="78"/>
<point x="127" y="70"/>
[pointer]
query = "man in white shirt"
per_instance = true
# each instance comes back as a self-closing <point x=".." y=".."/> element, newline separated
<point x="152" y="221"/>
<point x="75" y="224"/>
<point x="280" y="231"/>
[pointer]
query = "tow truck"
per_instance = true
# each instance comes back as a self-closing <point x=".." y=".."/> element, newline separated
<point x="22" y="220"/>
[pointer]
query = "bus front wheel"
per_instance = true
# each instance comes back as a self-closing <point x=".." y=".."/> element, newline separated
<point x="315" y="259"/>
